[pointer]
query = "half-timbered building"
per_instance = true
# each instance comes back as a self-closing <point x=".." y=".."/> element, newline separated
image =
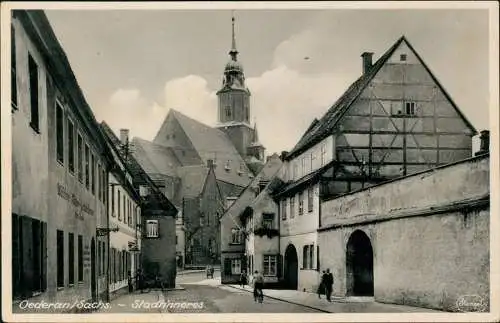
<point x="394" y="120"/>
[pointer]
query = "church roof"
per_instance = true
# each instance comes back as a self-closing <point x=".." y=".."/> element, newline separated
<point x="323" y="128"/>
<point x="211" y="143"/>
<point x="155" y="158"/>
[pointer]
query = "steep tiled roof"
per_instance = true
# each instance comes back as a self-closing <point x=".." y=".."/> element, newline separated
<point x="156" y="199"/>
<point x="211" y="143"/>
<point x="248" y="194"/>
<point x="321" y="129"/>
<point x="193" y="178"/>
<point x="155" y="158"/>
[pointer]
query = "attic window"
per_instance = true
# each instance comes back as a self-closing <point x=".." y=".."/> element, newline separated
<point x="240" y="170"/>
<point x="402" y="57"/>
<point x="227" y="167"/>
<point x="410" y="108"/>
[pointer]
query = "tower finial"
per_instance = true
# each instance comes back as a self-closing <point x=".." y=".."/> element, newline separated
<point x="233" y="50"/>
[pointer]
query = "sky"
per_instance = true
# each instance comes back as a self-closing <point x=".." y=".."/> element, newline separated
<point x="135" y="65"/>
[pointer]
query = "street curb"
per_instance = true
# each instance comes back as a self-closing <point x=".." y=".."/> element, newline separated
<point x="284" y="300"/>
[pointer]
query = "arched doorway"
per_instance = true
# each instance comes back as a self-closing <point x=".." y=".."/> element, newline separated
<point x="93" y="280"/>
<point x="291" y="267"/>
<point x="359" y="265"/>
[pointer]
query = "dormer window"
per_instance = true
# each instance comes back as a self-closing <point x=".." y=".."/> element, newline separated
<point x="240" y="170"/>
<point x="410" y="108"/>
<point x="402" y="57"/>
<point x="227" y="167"/>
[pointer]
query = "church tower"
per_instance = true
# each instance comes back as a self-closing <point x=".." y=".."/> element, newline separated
<point x="234" y="103"/>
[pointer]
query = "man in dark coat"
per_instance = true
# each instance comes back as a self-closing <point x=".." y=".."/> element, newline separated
<point x="321" y="287"/>
<point x="329" y="285"/>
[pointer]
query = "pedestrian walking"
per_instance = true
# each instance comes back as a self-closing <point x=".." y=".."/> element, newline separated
<point x="329" y="284"/>
<point x="243" y="278"/>
<point x="130" y="282"/>
<point x="321" y="287"/>
<point x="140" y="280"/>
<point x="258" y="284"/>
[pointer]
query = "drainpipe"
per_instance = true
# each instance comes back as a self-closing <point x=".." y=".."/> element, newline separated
<point x="137" y="237"/>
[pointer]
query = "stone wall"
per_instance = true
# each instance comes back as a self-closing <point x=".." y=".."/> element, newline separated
<point x="429" y="233"/>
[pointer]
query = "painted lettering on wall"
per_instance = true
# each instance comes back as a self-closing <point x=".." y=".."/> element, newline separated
<point x="63" y="192"/>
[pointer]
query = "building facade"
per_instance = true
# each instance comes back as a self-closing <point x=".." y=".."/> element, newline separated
<point x="395" y="120"/>
<point x="260" y="220"/>
<point x="421" y="240"/>
<point x="156" y="248"/>
<point x="59" y="173"/>
<point x="239" y="240"/>
<point x="124" y="216"/>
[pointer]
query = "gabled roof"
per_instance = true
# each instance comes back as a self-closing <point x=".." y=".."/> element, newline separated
<point x="248" y="194"/>
<point x="155" y="158"/>
<point x="193" y="179"/>
<point x="156" y="199"/>
<point x="212" y="143"/>
<point x="323" y="128"/>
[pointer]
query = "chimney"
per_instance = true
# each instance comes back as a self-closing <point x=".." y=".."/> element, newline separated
<point x="485" y="142"/>
<point x="283" y="155"/>
<point x="367" y="61"/>
<point x="124" y="136"/>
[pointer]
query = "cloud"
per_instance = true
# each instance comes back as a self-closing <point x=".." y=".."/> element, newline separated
<point x="284" y="102"/>
<point x="191" y="96"/>
<point x="126" y="108"/>
<point x="287" y="96"/>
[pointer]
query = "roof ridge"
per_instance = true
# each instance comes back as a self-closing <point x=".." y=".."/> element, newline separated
<point x="330" y="118"/>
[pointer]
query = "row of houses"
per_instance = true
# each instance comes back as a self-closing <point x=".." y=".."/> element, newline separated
<point x="383" y="190"/>
<point x="84" y="212"/>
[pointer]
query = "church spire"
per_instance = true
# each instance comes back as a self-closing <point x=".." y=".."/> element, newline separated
<point x="233" y="52"/>
<point x="255" y="139"/>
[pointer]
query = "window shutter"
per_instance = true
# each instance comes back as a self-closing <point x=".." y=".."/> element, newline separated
<point x="317" y="258"/>
<point x="227" y="266"/>
<point x="43" y="270"/>
<point x="279" y="266"/>
<point x="27" y="253"/>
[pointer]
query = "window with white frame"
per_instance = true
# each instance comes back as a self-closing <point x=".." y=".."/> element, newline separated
<point x="283" y="210"/>
<point x="410" y="108"/>
<point x="270" y="265"/>
<point x="235" y="266"/>
<point x="152" y="229"/>
<point x="310" y="198"/>
<point x="307" y="257"/>
<point x="323" y="154"/>
<point x="268" y="220"/>
<point x="236" y="236"/>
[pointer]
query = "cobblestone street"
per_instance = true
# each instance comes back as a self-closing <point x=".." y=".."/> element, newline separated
<point x="229" y="300"/>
